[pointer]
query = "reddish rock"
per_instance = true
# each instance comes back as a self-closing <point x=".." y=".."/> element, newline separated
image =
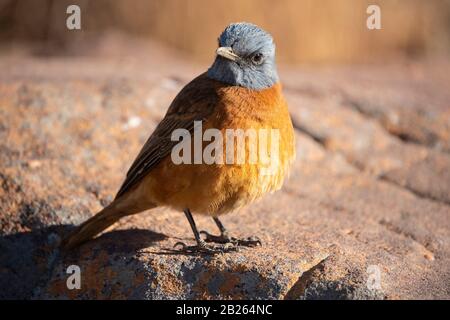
<point x="368" y="198"/>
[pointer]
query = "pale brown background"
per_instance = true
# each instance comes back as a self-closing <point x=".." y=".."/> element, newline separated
<point x="309" y="31"/>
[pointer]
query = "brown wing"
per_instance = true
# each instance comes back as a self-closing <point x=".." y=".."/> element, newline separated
<point x="196" y="101"/>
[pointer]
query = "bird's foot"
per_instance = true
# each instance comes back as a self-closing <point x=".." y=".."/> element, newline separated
<point x="224" y="238"/>
<point x="203" y="248"/>
<point x="252" y="241"/>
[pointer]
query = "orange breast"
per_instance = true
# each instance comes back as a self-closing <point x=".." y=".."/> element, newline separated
<point x="220" y="187"/>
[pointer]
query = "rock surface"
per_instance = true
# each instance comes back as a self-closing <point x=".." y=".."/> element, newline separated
<point x="368" y="197"/>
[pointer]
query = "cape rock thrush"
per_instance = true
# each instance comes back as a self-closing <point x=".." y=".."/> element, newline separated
<point x="240" y="93"/>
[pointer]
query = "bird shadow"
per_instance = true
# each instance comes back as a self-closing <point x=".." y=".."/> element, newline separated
<point x="124" y="241"/>
<point x="27" y="258"/>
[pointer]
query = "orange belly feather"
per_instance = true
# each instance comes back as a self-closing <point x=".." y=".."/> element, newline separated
<point x="220" y="188"/>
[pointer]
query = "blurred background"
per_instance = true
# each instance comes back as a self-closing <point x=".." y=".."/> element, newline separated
<point x="306" y="31"/>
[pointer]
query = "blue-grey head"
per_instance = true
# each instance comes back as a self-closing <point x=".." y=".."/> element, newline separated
<point x="245" y="57"/>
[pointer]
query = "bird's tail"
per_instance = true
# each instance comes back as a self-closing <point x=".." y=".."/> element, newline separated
<point x="102" y="220"/>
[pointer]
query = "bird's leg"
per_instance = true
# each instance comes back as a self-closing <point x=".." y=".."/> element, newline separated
<point x="223" y="231"/>
<point x="225" y="238"/>
<point x="201" y="246"/>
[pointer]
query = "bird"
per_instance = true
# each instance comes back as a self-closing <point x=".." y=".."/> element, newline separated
<point x="240" y="90"/>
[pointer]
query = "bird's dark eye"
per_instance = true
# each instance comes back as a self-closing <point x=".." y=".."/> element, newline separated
<point x="257" y="58"/>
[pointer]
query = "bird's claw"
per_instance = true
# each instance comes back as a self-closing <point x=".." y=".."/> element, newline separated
<point x="224" y="238"/>
<point x="203" y="248"/>
<point x="179" y="243"/>
<point x="222" y="244"/>
<point x="249" y="242"/>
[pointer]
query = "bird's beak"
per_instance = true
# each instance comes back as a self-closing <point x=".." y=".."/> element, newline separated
<point x="227" y="53"/>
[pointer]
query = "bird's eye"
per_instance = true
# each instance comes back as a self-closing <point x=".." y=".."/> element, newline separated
<point x="257" y="58"/>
